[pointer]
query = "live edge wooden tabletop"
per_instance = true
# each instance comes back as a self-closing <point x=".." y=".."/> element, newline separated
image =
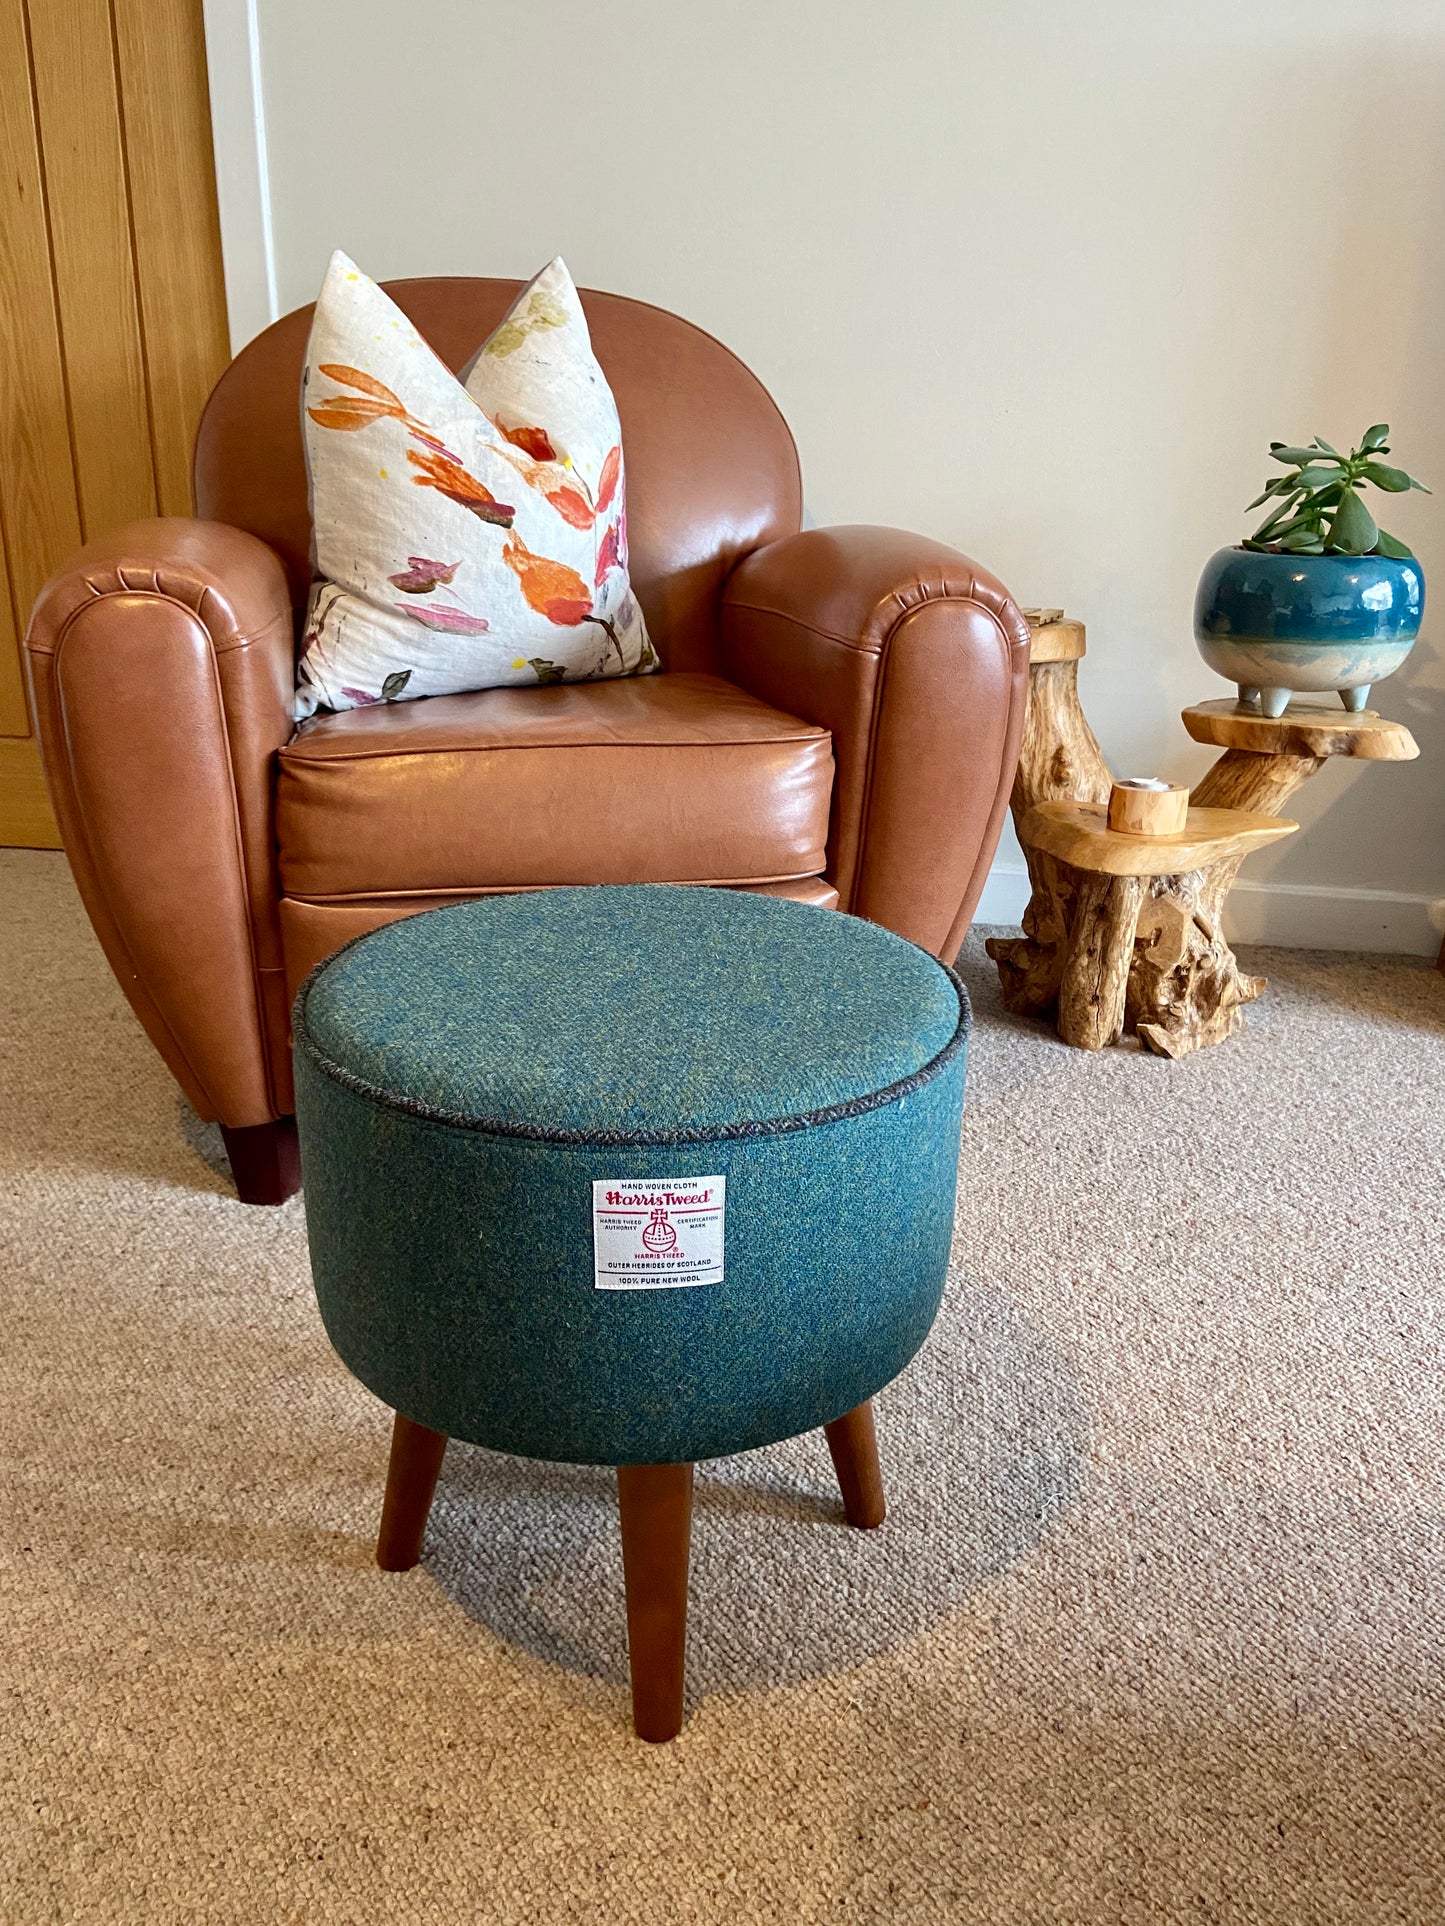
<point x="1055" y="641"/>
<point x="1305" y="729"/>
<point x="1078" y="834"/>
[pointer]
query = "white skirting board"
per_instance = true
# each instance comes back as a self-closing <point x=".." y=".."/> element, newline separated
<point x="1296" y="916"/>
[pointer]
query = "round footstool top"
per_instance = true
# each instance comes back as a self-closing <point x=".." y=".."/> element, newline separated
<point x="629" y="1175"/>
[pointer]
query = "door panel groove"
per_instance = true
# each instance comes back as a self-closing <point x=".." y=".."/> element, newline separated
<point x="155" y="466"/>
<point x="112" y="302"/>
<point x="37" y="476"/>
<point x="50" y="252"/>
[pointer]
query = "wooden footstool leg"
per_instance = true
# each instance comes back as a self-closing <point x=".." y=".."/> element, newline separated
<point x="411" y="1479"/>
<point x="854" y="1445"/>
<point x="655" y="1502"/>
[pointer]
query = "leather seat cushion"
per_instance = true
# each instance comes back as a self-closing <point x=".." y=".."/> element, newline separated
<point x="663" y="779"/>
<point x="311" y="932"/>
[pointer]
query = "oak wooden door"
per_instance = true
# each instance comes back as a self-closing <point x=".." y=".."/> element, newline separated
<point x="112" y="304"/>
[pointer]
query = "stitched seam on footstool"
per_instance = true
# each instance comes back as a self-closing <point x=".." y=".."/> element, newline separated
<point x="689" y="1134"/>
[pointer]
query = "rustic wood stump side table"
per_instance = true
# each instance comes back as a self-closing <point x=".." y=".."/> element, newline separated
<point x="1124" y="932"/>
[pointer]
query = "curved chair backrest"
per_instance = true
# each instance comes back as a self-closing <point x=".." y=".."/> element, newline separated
<point x="712" y="472"/>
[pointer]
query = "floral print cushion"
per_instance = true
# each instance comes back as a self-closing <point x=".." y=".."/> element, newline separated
<point x="468" y="532"/>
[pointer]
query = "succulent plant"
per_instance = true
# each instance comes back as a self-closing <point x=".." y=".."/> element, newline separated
<point x="1317" y="507"/>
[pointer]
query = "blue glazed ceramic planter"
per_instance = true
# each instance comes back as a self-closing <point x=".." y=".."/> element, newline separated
<point x="1274" y="624"/>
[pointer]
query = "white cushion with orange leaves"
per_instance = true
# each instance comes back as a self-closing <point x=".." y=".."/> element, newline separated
<point x="468" y="533"/>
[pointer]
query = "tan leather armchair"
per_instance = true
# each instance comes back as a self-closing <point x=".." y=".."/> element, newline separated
<point x="838" y="719"/>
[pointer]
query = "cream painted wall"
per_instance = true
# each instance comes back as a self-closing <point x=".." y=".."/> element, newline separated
<point x="1041" y="279"/>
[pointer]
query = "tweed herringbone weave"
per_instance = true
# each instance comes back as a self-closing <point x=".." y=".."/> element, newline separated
<point x="468" y="1082"/>
<point x="1155" y="1631"/>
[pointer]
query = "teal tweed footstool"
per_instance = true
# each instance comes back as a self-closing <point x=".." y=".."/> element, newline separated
<point x="629" y="1176"/>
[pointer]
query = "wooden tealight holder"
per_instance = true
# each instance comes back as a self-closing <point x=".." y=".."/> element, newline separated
<point x="1144" y="806"/>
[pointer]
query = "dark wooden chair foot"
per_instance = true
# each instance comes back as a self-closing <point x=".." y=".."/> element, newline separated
<point x="854" y="1445"/>
<point x="411" y="1480"/>
<point x="265" y="1160"/>
<point x="655" y="1502"/>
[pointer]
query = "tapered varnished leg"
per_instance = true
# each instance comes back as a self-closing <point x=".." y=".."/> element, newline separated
<point x="655" y="1502"/>
<point x="411" y="1479"/>
<point x="854" y="1445"/>
<point x="265" y="1160"/>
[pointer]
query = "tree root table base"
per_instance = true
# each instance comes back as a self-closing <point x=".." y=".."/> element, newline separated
<point x="1124" y="933"/>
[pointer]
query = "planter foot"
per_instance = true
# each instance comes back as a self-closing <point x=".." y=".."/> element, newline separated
<point x="1355" y="699"/>
<point x="1248" y="695"/>
<point x="1273" y="702"/>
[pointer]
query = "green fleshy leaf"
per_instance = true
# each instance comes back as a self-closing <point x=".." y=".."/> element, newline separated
<point x="1276" y="515"/>
<point x="1293" y="457"/>
<point x="1353" y="530"/>
<point x="1393" y="480"/>
<point x="1308" y="517"/>
<point x="1281" y="485"/>
<point x="1269" y="528"/>
<point x="1320" y="442"/>
<point x="1375" y="437"/>
<point x="1392" y="546"/>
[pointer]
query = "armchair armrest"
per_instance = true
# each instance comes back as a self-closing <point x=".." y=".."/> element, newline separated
<point x="917" y="660"/>
<point x="160" y="662"/>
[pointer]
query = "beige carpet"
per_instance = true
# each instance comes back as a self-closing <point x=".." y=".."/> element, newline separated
<point x="1155" y="1632"/>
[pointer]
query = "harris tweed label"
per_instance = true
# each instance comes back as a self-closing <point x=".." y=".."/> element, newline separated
<point x="656" y="1236"/>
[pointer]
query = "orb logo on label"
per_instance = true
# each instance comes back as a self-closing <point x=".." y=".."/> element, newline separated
<point x="659" y="1237"/>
